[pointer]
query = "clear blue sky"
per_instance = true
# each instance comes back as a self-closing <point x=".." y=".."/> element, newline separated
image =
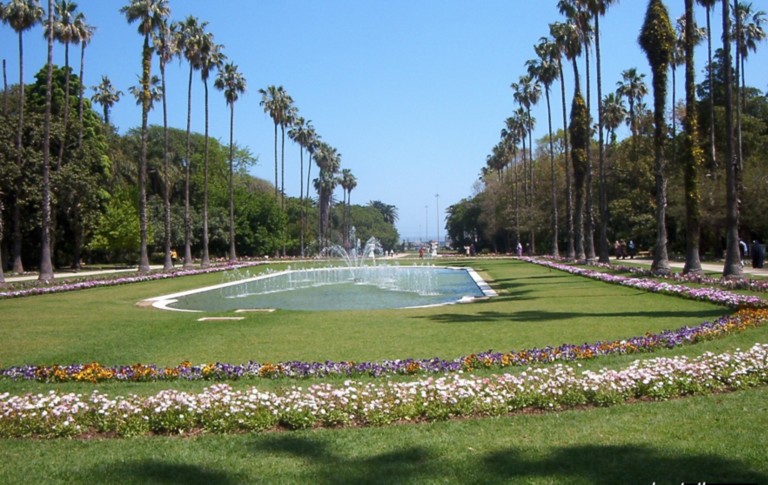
<point x="413" y="94"/>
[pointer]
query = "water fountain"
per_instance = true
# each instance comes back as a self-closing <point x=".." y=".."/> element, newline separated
<point x="359" y="282"/>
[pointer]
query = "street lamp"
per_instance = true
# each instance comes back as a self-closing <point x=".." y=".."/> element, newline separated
<point x="437" y="217"/>
<point x="426" y="224"/>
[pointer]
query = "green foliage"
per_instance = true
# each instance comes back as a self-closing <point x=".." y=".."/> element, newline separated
<point x="117" y="234"/>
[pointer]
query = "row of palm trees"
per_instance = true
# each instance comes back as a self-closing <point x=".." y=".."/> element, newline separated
<point x="280" y="107"/>
<point x="190" y="41"/>
<point x="665" y="48"/>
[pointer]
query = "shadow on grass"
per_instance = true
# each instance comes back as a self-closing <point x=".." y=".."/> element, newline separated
<point x="619" y="464"/>
<point x="571" y="464"/>
<point x="537" y="316"/>
<point x="159" y="472"/>
<point x="326" y="465"/>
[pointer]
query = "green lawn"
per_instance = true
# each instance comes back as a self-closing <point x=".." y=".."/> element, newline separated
<point x="705" y="438"/>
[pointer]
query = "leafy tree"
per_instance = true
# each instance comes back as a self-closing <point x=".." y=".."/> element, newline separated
<point x="118" y="235"/>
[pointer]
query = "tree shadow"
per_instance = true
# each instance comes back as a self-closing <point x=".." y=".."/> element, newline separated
<point x="160" y="472"/>
<point x="619" y="464"/>
<point x="538" y="316"/>
<point x="401" y="465"/>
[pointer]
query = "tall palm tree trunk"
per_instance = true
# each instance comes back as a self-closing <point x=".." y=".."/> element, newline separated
<point x="167" y="261"/>
<point x="732" y="268"/>
<point x="710" y="71"/>
<point x="531" y="193"/>
<point x="46" y="267"/>
<point x="301" y="198"/>
<point x="65" y="117"/>
<point x="602" y="244"/>
<point x="206" y="262"/>
<point x="187" y="177"/>
<point x="277" y="186"/>
<point x="589" y="215"/>
<point x="232" y="254"/>
<point x="146" y="96"/>
<point x="693" y="154"/>
<point x="81" y="95"/>
<point x="283" y="230"/>
<point x="553" y="179"/>
<point x="18" y="266"/>
<point x="570" y="248"/>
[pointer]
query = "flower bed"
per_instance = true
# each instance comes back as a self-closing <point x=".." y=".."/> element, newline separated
<point x="220" y="408"/>
<point x="58" y="287"/>
<point x="95" y="372"/>
<point x="719" y="297"/>
<point x="747" y="284"/>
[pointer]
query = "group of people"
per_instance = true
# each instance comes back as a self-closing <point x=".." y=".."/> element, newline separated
<point x="623" y="249"/>
<point x="756" y="252"/>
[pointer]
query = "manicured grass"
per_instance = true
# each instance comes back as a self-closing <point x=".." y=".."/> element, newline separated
<point x="536" y="307"/>
<point x="714" y="438"/>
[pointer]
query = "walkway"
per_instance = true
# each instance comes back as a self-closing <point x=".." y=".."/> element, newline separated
<point x="68" y="273"/>
<point x="709" y="267"/>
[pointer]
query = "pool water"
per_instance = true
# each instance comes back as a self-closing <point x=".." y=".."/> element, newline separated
<point x="318" y="290"/>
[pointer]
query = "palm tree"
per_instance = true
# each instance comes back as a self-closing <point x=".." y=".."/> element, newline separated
<point x="732" y="267"/>
<point x="614" y="114"/>
<point x="67" y="32"/>
<point x="21" y="15"/>
<point x="155" y="92"/>
<point x="106" y="95"/>
<point x="189" y="35"/>
<point x="527" y="93"/>
<point x="328" y="161"/>
<point x="679" y="59"/>
<point x="301" y="133"/>
<point x="275" y="102"/>
<point x="545" y="70"/>
<point x="693" y="153"/>
<point x="348" y="182"/>
<point x="579" y="131"/>
<point x="597" y="9"/>
<point x="85" y="33"/>
<point x="579" y="16"/>
<point x="232" y="83"/>
<point x="512" y="134"/>
<point x="709" y="5"/>
<point x="164" y="42"/>
<point x="748" y="31"/>
<point x="46" y="267"/>
<point x="634" y="89"/>
<point x="149" y="14"/>
<point x="657" y="39"/>
<point x="559" y="33"/>
<point x="211" y="57"/>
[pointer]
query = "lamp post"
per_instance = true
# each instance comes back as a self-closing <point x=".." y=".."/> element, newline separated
<point x="426" y="224"/>
<point x="437" y="217"/>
